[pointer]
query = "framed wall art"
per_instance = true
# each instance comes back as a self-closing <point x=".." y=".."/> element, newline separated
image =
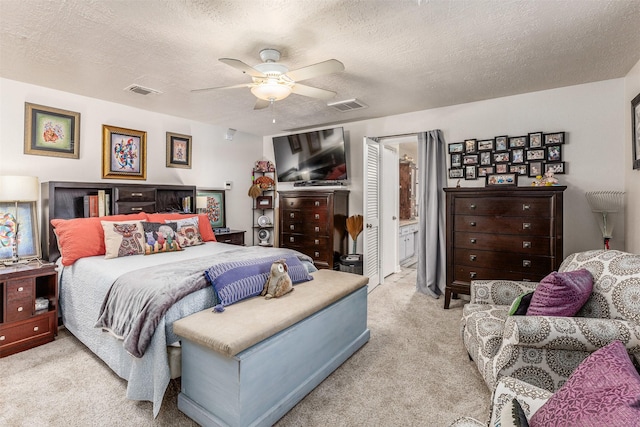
<point x="211" y="202"/>
<point x="124" y="153"/>
<point x="510" y="179"/>
<point x="178" y="150"/>
<point x="535" y="140"/>
<point x="456" y="173"/>
<point x="22" y="224"/>
<point x="517" y="141"/>
<point x="535" y="169"/>
<point x="470" y="146"/>
<point x="554" y="138"/>
<point x="556" y="168"/>
<point x="456" y="147"/>
<point x="485" y="145"/>
<point x="635" y="134"/>
<point x="501" y="143"/>
<point x="50" y="131"/>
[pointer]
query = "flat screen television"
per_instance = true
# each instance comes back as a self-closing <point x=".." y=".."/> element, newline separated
<point x="317" y="156"/>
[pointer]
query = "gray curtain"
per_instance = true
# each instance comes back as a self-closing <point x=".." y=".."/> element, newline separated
<point x="431" y="274"/>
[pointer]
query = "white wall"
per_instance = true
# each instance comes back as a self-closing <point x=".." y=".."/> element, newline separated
<point x="631" y="177"/>
<point x="592" y="115"/>
<point x="214" y="159"/>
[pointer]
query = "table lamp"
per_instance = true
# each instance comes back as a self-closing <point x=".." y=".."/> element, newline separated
<point x="603" y="205"/>
<point x="201" y="204"/>
<point x="17" y="189"/>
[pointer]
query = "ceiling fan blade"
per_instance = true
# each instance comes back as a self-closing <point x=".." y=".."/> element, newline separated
<point x="327" y="67"/>
<point x="239" y="65"/>
<point x="222" y="87"/>
<point x="312" y="92"/>
<point x="261" y="104"/>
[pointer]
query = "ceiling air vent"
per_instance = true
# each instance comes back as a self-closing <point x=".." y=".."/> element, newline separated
<point x="348" y="105"/>
<point x="141" y="90"/>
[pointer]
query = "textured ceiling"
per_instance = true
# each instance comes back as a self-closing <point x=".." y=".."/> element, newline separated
<point x="399" y="56"/>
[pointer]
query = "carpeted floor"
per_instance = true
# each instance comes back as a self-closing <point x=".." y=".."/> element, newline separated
<point x="414" y="371"/>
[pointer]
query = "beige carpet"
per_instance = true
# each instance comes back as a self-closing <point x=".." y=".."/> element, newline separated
<point x="413" y="372"/>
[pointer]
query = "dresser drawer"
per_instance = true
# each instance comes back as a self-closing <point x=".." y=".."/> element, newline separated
<point x="465" y="273"/>
<point x="315" y="224"/>
<point x="138" y="194"/>
<point x="135" y="207"/>
<point x="313" y="242"/>
<point x="305" y="202"/>
<point x="534" y="245"/>
<point x="501" y="206"/>
<point x="40" y="325"/>
<point x="504" y="225"/>
<point x="18" y="289"/>
<point x="504" y="260"/>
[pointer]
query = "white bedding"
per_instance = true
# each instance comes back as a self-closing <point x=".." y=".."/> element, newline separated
<point x="83" y="287"/>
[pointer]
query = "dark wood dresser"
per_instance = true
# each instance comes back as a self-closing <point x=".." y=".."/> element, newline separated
<point x="510" y="233"/>
<point x="314" y="223"/>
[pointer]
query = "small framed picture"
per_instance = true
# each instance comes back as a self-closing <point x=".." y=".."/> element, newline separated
<point x="470" y="146"/>
<point x="486" y="145"/>
<point x="502" y="168"/>
<point x="456" y="160"/>
<point x="535" y="140"/>
<point x="456" y="147"/>
<point x="556" y="168"/>
<point x="517" y="141"/>
<point x="124" y="153"/>
<point x="535" y="169"/>
<point x="264" y="202"/>
<point x="517" y="155"/>
<point x="506" y="179"/>
<point x="456" y="173"/>
<point x="50" y="131"/>
<point x="535" y="154"/>
<point x="522" y="170"/>
<point x="178" y="150"/>
<point x="470" y="159"/>
<point x="485" y="170"/>
<point x="211" y="202"/>
<point x="501" y="157"/>
<point x="470" y="172"/>
<point x="501" y="143"/>
<point x="485" y="158"/>
<point x="554" y="153"/>
<point x="554" y="138"/>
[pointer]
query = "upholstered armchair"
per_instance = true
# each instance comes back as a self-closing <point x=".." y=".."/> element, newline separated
<point x="545" y="350"/>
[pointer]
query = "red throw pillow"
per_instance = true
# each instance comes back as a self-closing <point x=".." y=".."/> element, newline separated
<point x="561" y="294"/>
<point x="204" y="226"/>
<point x="84" y="237"/>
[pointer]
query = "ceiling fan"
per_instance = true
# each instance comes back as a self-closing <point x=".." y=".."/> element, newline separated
<point x="272" y="81"/>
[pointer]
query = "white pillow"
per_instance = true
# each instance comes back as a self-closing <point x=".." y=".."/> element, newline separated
<point x="123" y="238"/>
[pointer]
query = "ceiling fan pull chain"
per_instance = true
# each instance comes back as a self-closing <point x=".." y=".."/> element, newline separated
<point x="273" y="110"/>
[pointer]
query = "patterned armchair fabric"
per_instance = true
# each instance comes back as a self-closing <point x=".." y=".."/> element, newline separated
<point x="544" y="350"/>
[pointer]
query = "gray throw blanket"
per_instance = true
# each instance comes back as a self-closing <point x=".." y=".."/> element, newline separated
<point x="137" y="300"/>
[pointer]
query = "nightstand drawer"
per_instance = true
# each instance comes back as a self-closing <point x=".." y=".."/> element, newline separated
<point x="40" y="325"/>
<point x="19" y="309"/>
<point x="19" y="289"/>
<point x="232" y="238"/>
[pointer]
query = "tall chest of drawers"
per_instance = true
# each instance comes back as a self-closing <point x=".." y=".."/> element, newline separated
<point x="314" y="223"/>
<point x="502" y="233"/>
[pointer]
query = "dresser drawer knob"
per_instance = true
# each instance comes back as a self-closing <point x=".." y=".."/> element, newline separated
<point x="290" y="203"/>
<point x="472" y="206"/>
<point x="472" y="223"/>
<point x="20" y="289"/>
<point x="292" y="239"/>
<point x="526" y="207"/>
<point x="317" y="203"/>
<point x="526" y="226"/>
<point x="473" y="241"/>
<point x="316" y="241"/>
<point x="473" y="257"/>
<point x="20" y="309"/>
<point x="473" y="274"/>
<point x="136" y="209"/>
<point x="317" y="229"/>
<point x="316" y="254"/>
<point x="526" y="245"/>
<point x="292" y="227"/>
<point x="2" y="338"/>
<point x="36" y="329"/>
<point x="317" y="216"/>
<point x="136" y="194"/>
<point x="526" y="263"/>
<point x="292" y="215"/>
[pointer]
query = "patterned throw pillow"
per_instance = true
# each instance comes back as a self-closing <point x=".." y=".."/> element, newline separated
<point x="512" y="415"/>
<point x="520" y="305"/>
<point x="187" y="231"/>
<point x="160" y="237"/>
<point x="122" y="238"/>
<point x="603" y="391"/>
<point x="561" y="294"/>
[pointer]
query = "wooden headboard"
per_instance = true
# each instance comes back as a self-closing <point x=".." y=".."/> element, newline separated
<point x="66" y="200"/>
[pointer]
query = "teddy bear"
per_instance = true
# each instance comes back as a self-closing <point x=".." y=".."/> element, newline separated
<point x="279" y="282"/>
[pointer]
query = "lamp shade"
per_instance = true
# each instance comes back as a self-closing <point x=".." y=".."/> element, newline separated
<point x="18" y="188"/>
<point x="201" y="202"/>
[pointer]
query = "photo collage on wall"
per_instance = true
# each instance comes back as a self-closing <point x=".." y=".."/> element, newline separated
<point x="528" y="155"/>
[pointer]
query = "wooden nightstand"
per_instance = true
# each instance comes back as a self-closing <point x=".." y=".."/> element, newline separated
<point x="234" y="237"/>
<point x="21" y="326"/>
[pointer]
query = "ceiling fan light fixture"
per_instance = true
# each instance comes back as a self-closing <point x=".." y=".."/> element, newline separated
<point x="271" y="90"/>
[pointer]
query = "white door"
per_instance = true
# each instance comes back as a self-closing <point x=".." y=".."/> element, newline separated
<point x="371" y="196"/>
<point x="389" y="206"/>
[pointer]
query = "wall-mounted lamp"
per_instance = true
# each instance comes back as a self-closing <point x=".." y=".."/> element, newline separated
<point x="17" y="189"/>
<point x="604" y="204"/>
<point x="229" y="135"/>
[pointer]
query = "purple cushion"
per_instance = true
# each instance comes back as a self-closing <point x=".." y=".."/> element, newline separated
<point x="561" y="294"/>
<point x="603" y="391"/>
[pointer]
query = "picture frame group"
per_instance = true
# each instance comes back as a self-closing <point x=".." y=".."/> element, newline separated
<point x="528" y="155"/>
